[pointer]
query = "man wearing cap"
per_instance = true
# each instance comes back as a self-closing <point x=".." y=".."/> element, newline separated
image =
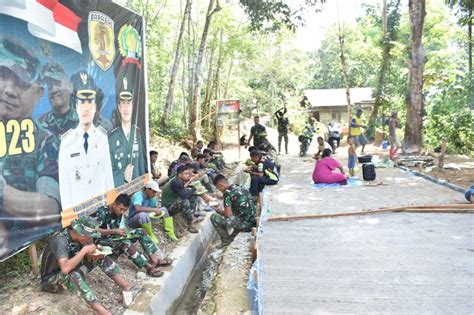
<point x="144" y="203"/>
<point x="238" y="211"/>
<point x="61" y="117"/>
<point x="28" y="184"/>
<point x="71" y="253"/>
<point x="356" y="132"/>
<point x="126" y="145"/>
<point x="85" y="168"/>
<point x="122" y="240"/>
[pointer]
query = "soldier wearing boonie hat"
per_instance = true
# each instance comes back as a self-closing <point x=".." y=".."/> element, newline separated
<point x="59" y="265"/>
<point x="84" y="163"/>
<point x="126" y="145"/>
<point x="61" y="117"/>
<point x="32" y="170"/>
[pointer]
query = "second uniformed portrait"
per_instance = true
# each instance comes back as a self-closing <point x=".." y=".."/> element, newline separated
<point x="84" y="164"/>
<point x="125" y="140"/>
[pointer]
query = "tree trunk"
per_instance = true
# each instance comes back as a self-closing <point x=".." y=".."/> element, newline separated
<point x="383" y="70"/>
<point x="228" y="77"/>
<point x="344" y="72"/>
<point x="174" y="72"/>
<point x="414" y="124"/>
<point x="209" y="85"/>
<point x="195" y="121"/>
<point x="469" y="43"/>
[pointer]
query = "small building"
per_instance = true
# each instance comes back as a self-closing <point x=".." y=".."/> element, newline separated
<point x="330" y="105"/>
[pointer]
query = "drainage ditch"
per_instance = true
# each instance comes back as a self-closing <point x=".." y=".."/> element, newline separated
<point x="199" y="283"/>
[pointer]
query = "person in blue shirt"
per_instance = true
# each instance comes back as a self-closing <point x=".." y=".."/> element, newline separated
<point x="469" y="194"/>
<point x="144" y="204"/>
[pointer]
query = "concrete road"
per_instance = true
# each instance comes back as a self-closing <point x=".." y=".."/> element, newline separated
<point x="386" y="263"/>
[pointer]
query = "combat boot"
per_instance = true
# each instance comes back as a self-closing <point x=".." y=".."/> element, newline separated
<point x="169" y="228"/>
<point x="149" y="230"/>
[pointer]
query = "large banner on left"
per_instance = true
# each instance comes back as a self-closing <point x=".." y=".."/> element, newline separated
<point x="73" y="114"/>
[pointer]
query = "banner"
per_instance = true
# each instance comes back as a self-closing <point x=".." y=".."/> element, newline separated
<point x="228" y="112"/>
<point x="73" y="115"/>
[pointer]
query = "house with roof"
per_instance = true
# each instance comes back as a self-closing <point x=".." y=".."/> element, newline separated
<point x="330" y="105"/>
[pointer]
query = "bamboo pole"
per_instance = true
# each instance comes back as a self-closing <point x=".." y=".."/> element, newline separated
<point x="455" y="208"/>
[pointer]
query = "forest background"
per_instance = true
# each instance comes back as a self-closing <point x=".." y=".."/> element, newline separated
<point x="199" y="51"/>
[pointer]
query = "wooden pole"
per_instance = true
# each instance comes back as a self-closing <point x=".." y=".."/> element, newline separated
<point x="33" y="259"/>
<point x="441" y="156"/>
<point x="238" y="136"/>
<point x="455" y="208"/>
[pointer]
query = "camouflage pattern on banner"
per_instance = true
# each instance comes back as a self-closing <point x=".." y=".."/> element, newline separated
<point x="73" y="129"/>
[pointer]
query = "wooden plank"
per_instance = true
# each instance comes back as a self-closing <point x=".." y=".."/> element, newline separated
<point x="456" y="208"/>
<point x="34" y="259"/>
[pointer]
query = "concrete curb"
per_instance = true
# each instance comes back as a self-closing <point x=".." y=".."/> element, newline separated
<point x="433" y="179"/>
<point x="159" y="295"/>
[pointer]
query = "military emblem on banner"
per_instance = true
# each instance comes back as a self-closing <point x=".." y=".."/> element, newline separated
<point x="101" y="39"/>
<point x="130" y="45"/>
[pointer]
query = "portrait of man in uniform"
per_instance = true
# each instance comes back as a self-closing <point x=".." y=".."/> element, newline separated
<point x="126" y="145"/>
<point x="61" y="117"/>
<point x="29" y="192"/>
<point x="84" y="164"/>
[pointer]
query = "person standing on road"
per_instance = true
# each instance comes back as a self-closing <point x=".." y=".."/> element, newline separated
<point x="356" y="132"/>
<point x="238" y="211"/>
<point x="282" y="128"/>
<point x="395" y="145"/>
<point x="257" y="132"/>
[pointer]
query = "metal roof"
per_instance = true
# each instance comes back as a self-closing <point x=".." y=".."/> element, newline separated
<point x="337" y="97"/>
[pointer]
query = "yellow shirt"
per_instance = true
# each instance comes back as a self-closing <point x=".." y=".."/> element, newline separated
<point x="355" y="131"/>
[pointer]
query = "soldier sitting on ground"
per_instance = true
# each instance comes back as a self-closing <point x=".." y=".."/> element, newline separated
<point x="122" y="240"/>
<point x="69" y="254"/>
<point x="238" y="211"/>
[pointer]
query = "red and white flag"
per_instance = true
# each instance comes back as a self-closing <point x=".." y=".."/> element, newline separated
<point x="47" y="19"/>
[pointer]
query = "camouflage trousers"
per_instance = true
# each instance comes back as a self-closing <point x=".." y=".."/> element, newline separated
<point x="75" y="281"/>
<point x="128" y="247"/>
<point x="187" y="206"/>
<point x="222" y="225"/>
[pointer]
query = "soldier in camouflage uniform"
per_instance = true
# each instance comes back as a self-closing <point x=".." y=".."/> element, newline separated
<point x="238" y="212"/>
<point x="257" y="132"/>
<point x="125" y="141"/>
<point x="28" y="174"/>
<point x="110" y="219"/>
<point x="282" y="128"/>
<point x="61" y="117"/>
<point x="69" y="254"/>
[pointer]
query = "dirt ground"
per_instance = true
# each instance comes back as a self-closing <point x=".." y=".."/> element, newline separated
<point x="458" y="169"/>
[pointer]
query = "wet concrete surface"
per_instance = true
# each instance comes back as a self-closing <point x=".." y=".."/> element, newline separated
<point x="385" y="263"/>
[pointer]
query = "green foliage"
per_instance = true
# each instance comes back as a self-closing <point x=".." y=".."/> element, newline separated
<point x="449" y="117"/>
<point x="273" y="15"/>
